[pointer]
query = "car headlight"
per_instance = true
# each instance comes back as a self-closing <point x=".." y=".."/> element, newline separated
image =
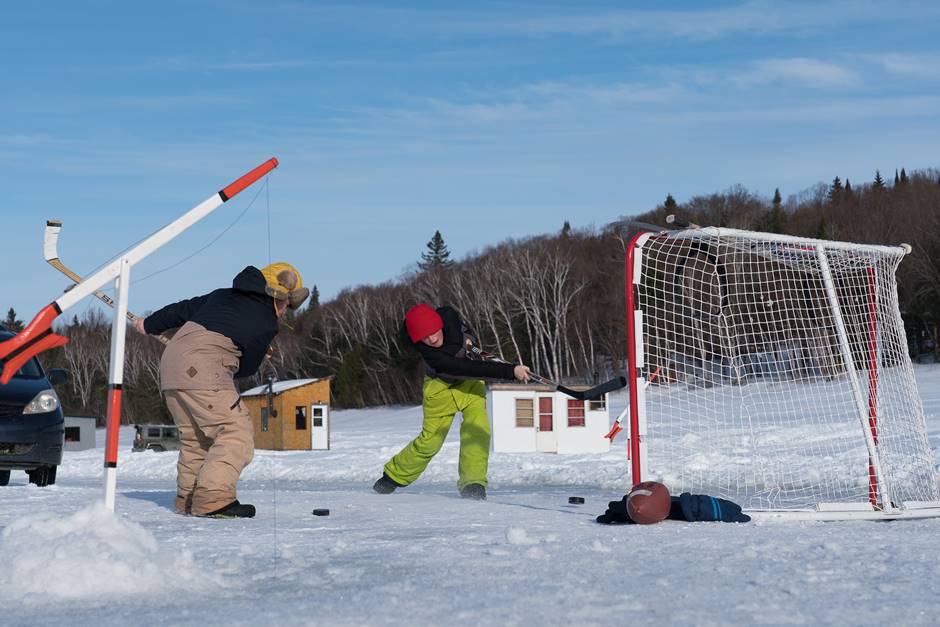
<point x="42" y="403"/>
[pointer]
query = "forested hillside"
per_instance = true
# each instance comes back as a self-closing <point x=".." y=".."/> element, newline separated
<point x="553" y="301"/>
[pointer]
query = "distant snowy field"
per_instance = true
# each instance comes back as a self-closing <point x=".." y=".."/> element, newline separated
<point x="424" y="556"/>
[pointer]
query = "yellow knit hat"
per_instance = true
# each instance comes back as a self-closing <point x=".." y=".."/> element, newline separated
<point x="283" y="282"/>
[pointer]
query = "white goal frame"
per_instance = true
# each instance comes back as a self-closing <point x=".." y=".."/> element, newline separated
<point x="880" y="504"/>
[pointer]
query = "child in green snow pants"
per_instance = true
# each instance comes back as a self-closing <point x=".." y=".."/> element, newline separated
<point x="442" y="401"/>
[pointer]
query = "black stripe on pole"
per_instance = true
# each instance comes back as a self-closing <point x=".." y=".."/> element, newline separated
<point x="222" y="195"/>
<point x="27" y="345"/>
<point x="115" y="386"/>
<point x="110" y="464"/>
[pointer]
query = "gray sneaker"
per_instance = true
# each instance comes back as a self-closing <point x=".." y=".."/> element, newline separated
<point x="385" y="485"/>
<point x="473" y="491"/>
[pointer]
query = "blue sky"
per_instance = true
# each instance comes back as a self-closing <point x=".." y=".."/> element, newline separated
<point x="485" y="120"/>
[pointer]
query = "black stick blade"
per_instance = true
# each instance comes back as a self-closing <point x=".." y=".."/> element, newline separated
<point x="613" y="385"/>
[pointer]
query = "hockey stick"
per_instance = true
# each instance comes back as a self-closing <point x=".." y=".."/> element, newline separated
<point x="50" y="253"/>
<point x="682" y="224"/>
<point x="585" y="395"/>
<point x="617" y="428"/>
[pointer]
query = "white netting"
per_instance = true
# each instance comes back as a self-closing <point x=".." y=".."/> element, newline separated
<point x="753" y="399"/>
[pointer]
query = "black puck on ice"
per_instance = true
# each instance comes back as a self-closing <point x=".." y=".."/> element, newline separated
<point x="321" y="512"/>
<point x="576" y="500"/>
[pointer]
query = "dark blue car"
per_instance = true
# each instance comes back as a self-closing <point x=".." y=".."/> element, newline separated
<point x="32" y="427"/>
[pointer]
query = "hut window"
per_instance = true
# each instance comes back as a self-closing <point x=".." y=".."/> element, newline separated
<point x="525" y="414"/>
<point x="73" y="434"/>
<point x="575" y="413"/>
<point x="317" y="416"/>
<point x="599" y="404"/>
<point x="300" y="418"/>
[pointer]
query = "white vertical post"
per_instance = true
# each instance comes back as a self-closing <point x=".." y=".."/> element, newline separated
<point x="860" y="401"/>
<point x="116" y="380"/>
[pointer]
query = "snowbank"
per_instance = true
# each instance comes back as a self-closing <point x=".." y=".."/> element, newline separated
<point x="91" y="554"/>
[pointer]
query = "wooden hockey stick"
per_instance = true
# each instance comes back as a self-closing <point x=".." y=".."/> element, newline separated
<point x="51" y="255"/>
<point x="614" y="430"/>
<point x="682" y="224"/>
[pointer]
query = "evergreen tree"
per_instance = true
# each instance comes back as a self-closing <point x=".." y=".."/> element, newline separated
<point x="670" y="205"/>
<point x="897" y="179"/>
<point x="775" y="221"/>
<point x="879" y="182"/>
<point x="903" y="179"/>
<point x="314" y="299"/>
<point x="12" y="323"/>
<point x="566" y="230"/>
<point x="437" y="257"/>
<point x="835" y="191"/>
<point x="821" y="229"/>
<point x="848" y="189"/>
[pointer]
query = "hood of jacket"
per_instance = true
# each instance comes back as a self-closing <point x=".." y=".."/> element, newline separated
<point x="250" y="280"/>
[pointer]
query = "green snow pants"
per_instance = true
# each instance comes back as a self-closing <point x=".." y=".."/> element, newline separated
<point x="441" y="402"/>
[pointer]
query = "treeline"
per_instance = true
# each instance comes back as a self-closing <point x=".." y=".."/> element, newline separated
<point x="555" y="302"/>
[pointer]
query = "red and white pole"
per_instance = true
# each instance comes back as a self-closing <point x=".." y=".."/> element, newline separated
<point x="115" y="381"/>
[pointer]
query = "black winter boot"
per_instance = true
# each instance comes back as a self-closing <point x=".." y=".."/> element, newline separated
<point x="385" y="485"/>
<point x="233" y="510"/>
<point x="473" y="491"/>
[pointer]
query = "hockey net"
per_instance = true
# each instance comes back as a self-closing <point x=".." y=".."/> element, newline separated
<point x="782" y="377"/>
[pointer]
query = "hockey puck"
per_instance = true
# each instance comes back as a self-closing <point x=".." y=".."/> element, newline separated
<point x="576" y="500"/>
<point x="321" y="512"/>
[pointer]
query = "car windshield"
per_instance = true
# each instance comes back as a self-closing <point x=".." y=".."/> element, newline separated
<point x="30" y="370"/>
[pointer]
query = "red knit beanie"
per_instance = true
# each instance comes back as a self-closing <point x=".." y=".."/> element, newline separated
<point x="421" y="321"/>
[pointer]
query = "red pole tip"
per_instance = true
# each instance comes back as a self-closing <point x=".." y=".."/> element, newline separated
<point x="248" y="179"/>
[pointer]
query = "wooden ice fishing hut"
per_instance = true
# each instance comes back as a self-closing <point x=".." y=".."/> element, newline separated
<point x="291" y="415"/>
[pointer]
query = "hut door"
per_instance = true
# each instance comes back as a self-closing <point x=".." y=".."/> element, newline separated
<point x="545" y="439"/>
<point x="320" y="427"/>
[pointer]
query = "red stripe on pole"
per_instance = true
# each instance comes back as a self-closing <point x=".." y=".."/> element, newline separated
<point x="13" y="364"/>
<point x="634" y="448"/>
<point x="872" y="382"/>
<point x="113" y="426"/>
<point x="35" y="338"/>
<point x="38" y="325"/>
<point x="249" y="178"/>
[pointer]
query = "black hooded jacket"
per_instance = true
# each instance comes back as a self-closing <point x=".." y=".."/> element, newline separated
<point x="450" y="361"/>
<point x="243" y="313"/>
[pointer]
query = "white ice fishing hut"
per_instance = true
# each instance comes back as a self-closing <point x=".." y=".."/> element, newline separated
<point x="535" y="418"/>
<point x="80" y="433"/>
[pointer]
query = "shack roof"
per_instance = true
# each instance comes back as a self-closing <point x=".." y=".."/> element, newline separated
<point x="281" y="386"/>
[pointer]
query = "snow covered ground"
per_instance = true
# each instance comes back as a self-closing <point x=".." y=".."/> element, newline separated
<point x="424" y="556"/>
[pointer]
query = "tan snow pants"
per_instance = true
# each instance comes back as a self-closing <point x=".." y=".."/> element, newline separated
<point x="216" y="443"/>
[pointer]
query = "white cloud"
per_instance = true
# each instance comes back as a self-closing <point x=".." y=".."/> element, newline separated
<point x="755" y="16"/>
<point x="799" y="70"/>
<point x="911" y="65"/>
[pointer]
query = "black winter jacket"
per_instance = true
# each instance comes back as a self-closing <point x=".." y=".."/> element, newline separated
<point x="243" y="313"/>
<point x="450" y="362"/>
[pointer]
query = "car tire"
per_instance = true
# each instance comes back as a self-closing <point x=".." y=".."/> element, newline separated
<point x="4" y="477"/>
<point x="42" y="476"/>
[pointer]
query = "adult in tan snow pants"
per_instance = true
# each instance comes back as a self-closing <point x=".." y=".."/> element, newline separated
<point x="222" y="336"/>
<point x="215" y="446"/>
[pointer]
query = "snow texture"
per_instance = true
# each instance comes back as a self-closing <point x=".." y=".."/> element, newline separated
<point x="424" y="556"/>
